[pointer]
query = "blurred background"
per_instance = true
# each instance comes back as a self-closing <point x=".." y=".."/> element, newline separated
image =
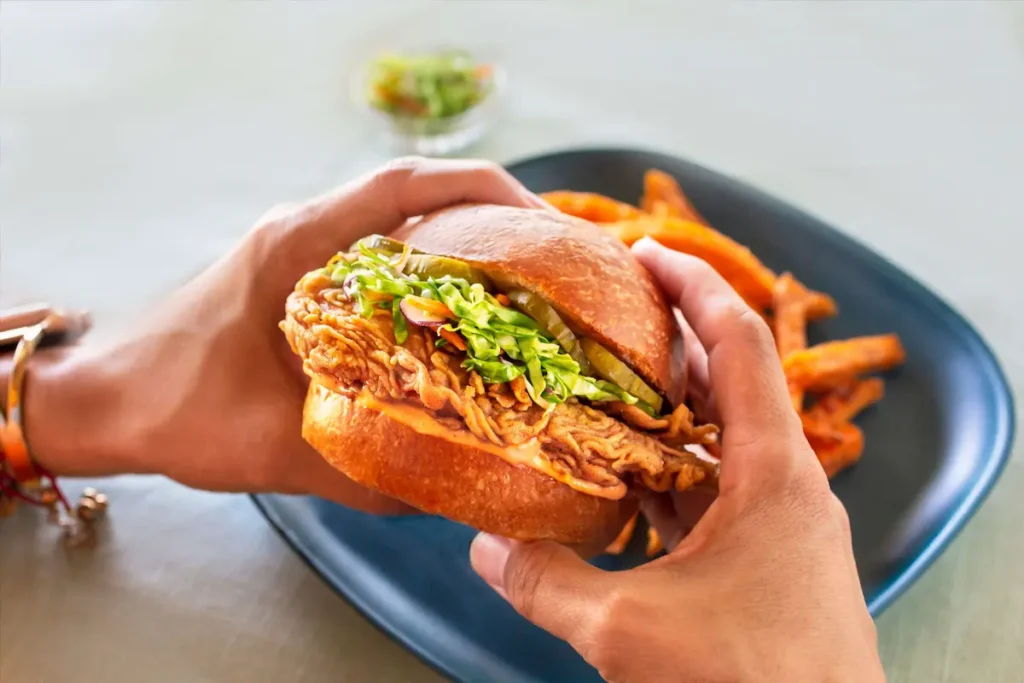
<point x="139" y="140"/>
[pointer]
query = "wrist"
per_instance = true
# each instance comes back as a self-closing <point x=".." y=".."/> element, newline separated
<point x="70" y="414"/>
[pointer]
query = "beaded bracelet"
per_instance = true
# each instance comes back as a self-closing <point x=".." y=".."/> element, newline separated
<point x="22" y="479"/>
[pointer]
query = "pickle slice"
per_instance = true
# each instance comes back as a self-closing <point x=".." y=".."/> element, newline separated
<point x="608" y="367"/>
<point x="425" y="266"/>
<point x="546" y="316"/>
<point x="383" y="244"/>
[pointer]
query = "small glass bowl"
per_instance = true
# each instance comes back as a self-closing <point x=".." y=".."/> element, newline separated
<point x="434" y="137"/>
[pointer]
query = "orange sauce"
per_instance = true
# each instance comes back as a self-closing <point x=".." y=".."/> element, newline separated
<point x="528" y="454"/>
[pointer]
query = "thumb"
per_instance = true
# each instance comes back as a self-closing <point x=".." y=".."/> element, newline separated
<point x="547" y="583"/>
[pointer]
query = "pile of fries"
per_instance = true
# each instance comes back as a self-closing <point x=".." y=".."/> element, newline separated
<point x="828" y="383"/>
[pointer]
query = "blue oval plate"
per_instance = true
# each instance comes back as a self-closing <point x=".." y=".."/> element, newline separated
<point x="935" y="446"/>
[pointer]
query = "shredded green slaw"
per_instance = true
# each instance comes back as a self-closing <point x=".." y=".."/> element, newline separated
<point x="501" y="342"/>
<point x="429" y="86"/>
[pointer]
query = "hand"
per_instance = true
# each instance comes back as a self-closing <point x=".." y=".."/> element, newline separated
<point x="205" y="389"/>
<point x="764" y="587"/>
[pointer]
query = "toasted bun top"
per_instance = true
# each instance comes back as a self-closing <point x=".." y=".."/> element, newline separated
<point x="588" y="276"/>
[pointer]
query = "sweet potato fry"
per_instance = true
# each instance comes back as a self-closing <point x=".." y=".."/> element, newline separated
<point x="660" y="209"/>
<point x="837" y="446"/>
<point x="832" y="371"/>
<point x="790" y="302"/>
<point x="662" y="194"/>
<point x="828" y="365"/>
<point x="627" y="232"/>
<point x="686" y="232"/>
<point x="819" y="432"/>
<point x="816" y="305"/>
<point x="654" y="545"/>
<point x="820" y="305"/>
<point x="754" y="281"/>
<point x="590" y="206"/>
<point x="843" y="403"/>
<point x="734" y="262"/>
<point x="622" y="540"/>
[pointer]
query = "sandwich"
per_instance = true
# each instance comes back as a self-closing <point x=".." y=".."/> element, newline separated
<point x="515" y="370"/>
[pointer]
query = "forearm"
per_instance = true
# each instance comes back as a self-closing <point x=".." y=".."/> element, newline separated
<point x="70" y="414"/>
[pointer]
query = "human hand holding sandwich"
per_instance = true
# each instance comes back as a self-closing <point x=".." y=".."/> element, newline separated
<point x="763" y="587"/>
<point x="206" y="391"/>
<point x="203" y="389"/>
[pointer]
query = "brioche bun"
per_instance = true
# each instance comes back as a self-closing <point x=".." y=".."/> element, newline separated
<point x="594" y="282"/>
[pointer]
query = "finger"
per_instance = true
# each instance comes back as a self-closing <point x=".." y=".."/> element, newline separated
<point x="743" y="368"/>
<point x="660" y="513"/>
<point x="425" y="185"/>
<point x="675" y="514"/>
<point x="382" y="200"/>
<point x="691" y="506"/>
<point x="547" y="583"/>
<point x="299" y="238"/>
<point x="696" y="355"/>
<point x="698" y="386"/>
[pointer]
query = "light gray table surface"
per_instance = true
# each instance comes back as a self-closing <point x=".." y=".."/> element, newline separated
<point x="138" y="140"/>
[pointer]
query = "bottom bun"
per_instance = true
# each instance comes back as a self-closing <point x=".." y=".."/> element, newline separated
<point x="454" y="479"/>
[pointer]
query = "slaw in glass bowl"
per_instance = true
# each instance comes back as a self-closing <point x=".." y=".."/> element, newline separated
<point x="430" y="102"/>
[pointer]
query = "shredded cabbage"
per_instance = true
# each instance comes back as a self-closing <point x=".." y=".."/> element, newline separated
<point x="501" y="342"/>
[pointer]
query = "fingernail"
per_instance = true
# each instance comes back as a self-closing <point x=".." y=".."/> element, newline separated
<point x="645" y="243"/>
<point x="488" y="555"/>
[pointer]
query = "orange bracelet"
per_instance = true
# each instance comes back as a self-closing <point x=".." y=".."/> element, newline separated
<point x="12" y="433"/>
